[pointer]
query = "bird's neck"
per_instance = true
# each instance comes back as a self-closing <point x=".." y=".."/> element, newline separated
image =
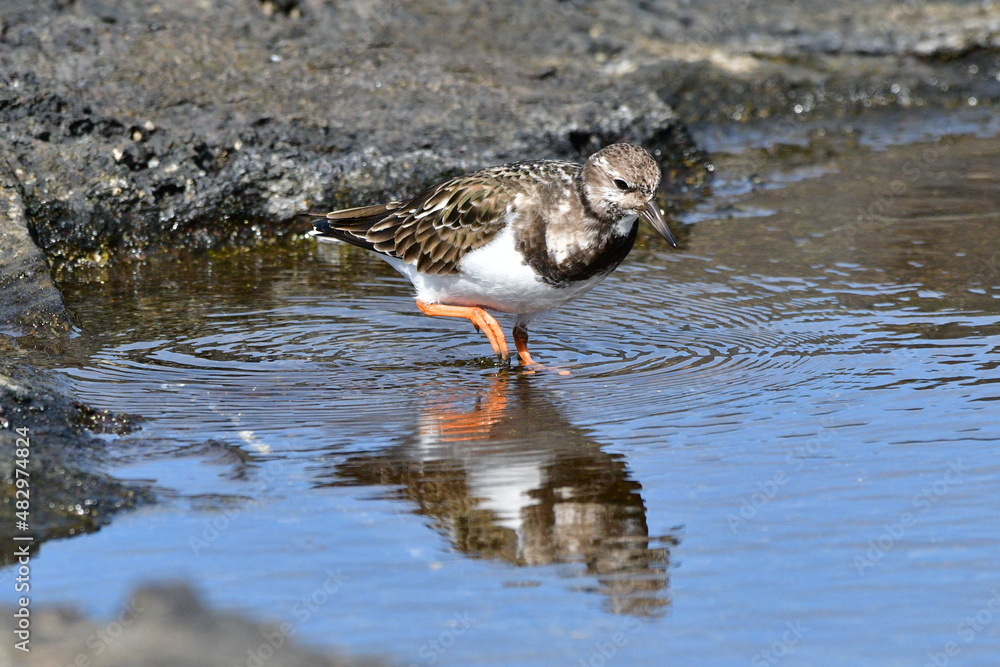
<point x="590" y="212"/>
<point x="604" y="217"/>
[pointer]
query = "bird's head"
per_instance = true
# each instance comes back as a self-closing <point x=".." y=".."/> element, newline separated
<point x="620" y="182"/>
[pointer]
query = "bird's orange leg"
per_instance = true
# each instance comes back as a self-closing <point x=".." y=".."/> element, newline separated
<point x="479" y="318"/>
<point x="521" y="342"/>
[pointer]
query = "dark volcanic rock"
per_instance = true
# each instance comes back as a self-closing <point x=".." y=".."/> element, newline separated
<point x="737" y="60"/>
<point x="29" y="301"/>
<point x="144" y="124"/>
<point x="66" y="493"/>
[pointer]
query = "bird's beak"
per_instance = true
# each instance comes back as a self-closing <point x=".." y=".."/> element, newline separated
<point x="651" y="214"/>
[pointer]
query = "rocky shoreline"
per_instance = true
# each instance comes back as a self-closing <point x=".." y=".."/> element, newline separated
<point x="132" y="128"/>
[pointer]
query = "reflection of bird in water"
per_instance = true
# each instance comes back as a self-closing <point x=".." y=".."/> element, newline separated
<point x="504" y="475"/>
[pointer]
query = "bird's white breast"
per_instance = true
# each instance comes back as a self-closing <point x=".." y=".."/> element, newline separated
<point x="494" y="276"/>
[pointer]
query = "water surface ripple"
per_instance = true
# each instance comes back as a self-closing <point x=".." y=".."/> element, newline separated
<point x="792" y="422"/>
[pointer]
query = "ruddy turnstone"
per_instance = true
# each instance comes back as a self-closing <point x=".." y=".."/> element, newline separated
<point x="519" y="238"/>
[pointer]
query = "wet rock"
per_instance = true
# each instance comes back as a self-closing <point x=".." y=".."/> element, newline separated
<point x="162" y="625"/>
<point x="66" y="491"/>
<point x="29" y="301"/>
<point x="145" y="125"/>
<point x="725" y="61"/>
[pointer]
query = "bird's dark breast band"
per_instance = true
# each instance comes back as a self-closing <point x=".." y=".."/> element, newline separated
<point x="592" y="259"/>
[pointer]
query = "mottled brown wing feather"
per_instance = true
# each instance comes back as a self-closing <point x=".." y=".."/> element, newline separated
<point x="438" y="227"/>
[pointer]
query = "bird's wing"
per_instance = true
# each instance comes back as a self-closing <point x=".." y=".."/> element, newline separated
<point x="435" y="229"/>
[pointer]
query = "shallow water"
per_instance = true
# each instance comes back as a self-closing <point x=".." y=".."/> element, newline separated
<point x="777" y="444"/>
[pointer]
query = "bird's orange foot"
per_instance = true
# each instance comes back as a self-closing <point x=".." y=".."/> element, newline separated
<point x="530" y="365"/>
<point x="480" y="319"/>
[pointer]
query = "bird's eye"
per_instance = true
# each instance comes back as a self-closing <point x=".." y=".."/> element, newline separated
<point x="620" y="184"/>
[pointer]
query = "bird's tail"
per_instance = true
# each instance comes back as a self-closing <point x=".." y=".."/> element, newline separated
<point x="350" y="224"/>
